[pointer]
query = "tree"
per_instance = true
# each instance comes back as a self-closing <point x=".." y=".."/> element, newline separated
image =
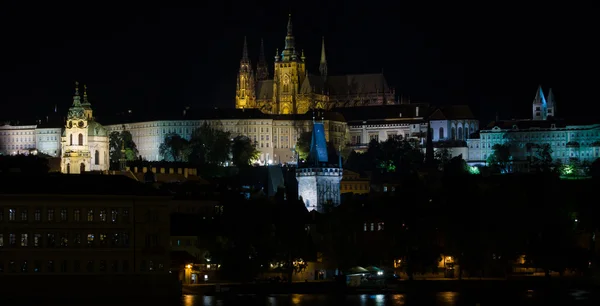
<point x="243" y="151"/>
<point x="116" y="142"/>
<point x="174" y="148"/>
<point x="442" y="155"/>
<point x="303" y="145"/>
<point x="500" y="157"/>
<point x="456" y="166"/>
<point x="209" y="145"/>
<point x="542" y="159"/>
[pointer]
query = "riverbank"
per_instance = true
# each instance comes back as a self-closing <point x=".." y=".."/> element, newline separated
<point x="442" y="285"/>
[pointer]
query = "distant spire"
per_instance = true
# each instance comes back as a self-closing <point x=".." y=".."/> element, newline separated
<point x="76" y="99"/>
<point x="245" y="57"/>
<point x="85" y="96"/>
<point x="289" y="52"/>
<point x="323" y="64"/>
<point x="539" y="96"/>
<point x="262" y="71"/>
<point x="551" y="100"/>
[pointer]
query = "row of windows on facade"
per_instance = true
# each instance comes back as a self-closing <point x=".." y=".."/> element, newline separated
<point x="76" y="266"/>
<point x="356" y="186"/>
<point x="62" y="215"/>
<point x="65" y="240"/>
<point x="371" y="227"/>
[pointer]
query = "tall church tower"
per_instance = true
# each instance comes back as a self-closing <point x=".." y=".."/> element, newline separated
<point x="290" y="72"/>
<point x="323" y="63"/>
<point x="319" y="178"/>
<point x="543" y="108"/>
<point x="245" y="96"/>
<point x="76" y="156"/>
<point x="262" y="71"/>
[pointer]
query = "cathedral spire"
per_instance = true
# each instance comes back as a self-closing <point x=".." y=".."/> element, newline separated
<point x="245" y="57"/>
<point x="323" y="64"/>
<point x="289" y="52"/>
<point x="551" y="100"/>
<point x="262" y="72"/>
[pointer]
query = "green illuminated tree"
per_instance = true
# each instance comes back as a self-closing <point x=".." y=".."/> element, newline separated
<point x="174" y="148"/>
<point x="500" y="157"/>
<point x="116" y="141"/>
<point x="303" y="145"/>
<point x="209" y="145"/>
<point x="243" y="151"/>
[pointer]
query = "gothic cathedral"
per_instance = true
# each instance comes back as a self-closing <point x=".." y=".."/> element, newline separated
<point x="292" y="90"/>
<point x="84" y="143"/>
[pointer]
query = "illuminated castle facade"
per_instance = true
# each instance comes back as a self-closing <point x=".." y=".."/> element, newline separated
<point x="569" y="141"/>
<point x="294" y="90"/>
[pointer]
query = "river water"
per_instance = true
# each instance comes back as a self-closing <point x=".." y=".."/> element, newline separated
<point x="530" y="297"/>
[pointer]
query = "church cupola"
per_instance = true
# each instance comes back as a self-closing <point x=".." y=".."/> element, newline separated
<point x="76" y="111"/>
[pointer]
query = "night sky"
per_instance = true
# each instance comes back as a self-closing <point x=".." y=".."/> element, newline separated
<point x="156" y="60"/>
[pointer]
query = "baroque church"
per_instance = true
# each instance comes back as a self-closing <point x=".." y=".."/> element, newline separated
<point x="294" y="90"/>
<point x="84" y="142"/>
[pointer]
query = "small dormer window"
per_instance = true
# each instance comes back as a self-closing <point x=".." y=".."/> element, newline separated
<point x="553" y="126"/>
<point x="400" y="115"/>
<point x="515" y="127"/>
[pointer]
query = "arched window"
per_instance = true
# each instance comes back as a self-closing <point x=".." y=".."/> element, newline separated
<point x="441" y="137"/>
<point x="467" y="132"/>
<point x="68" y="168"/>
<point x="453" y="133"/>
<point x="460" y="133"/>
<point x="71" y="139"/>
<point x="82" y="168"/>
<point x="80" y="139"/>
<point x="97" y="158"/>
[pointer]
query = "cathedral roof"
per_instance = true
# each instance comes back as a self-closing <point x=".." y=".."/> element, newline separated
<point x="453" y="112"/>
<point x="356" y="84"/>
<point x="264" y="89"/>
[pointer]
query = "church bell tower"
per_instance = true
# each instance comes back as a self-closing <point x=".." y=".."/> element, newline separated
<point x="76" y="156"/>
<point x="290" y="72"/>
<point x="245" y="92"/>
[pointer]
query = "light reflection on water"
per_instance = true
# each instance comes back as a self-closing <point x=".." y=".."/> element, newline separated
<point x="434" y="299"/>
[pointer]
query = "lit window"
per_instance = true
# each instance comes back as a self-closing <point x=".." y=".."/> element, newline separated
<point x="37" y="215"/>
<point x="51" y="242"/>
<point x="37" y="240"/>
<point x="64" y="240"/>
<point x="50" y="214"/>
<point x="103" y="239"/>
<point x="24" y="240"/>
<point x="113" y="215"/>
<point x="23" y="214"/>
<point x="90" y="215"/>
<point x="63" y="214"/>
<point x="76" y="215"/>
<point x="1" y="240"/>
<point x="103" y="215"/>
<point x="380" y="226"/>
<point x="90" y="239"/>
<point x="12" y="214"/>
<point x="12" y="240"/>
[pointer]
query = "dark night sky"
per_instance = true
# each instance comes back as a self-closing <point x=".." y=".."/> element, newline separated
<point x="150" y="59"/>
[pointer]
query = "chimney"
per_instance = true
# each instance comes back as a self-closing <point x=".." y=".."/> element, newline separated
<point x="417" y="111"/>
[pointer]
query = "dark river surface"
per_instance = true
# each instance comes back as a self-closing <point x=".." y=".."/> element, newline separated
<point x="573" y="297"/>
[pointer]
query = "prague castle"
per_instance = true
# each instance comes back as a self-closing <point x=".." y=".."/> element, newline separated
<point x="294" y="90"/>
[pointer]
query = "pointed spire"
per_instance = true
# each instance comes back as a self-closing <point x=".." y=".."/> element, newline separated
<point x="85" y="96"/>
<point x="245" y="51"/>
<point x="289" y="25"/>
<point x="289" y="52"/>
<point x="552" y="102"/>
<point x="323" y="64"/>
<point x="262" y="71"/>
<point x="76" y="99"/>
<point x="539" y="96"/>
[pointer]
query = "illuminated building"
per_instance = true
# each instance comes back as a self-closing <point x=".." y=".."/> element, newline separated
<point x="294" y="90"/>
<point x="82" y="233"/>
<point x="84" y="142"/>
<point x="568" y="141"/>
<point x="353" y="183"/>
<point x="319" y="177"/>
<point x="274" y="135"/>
